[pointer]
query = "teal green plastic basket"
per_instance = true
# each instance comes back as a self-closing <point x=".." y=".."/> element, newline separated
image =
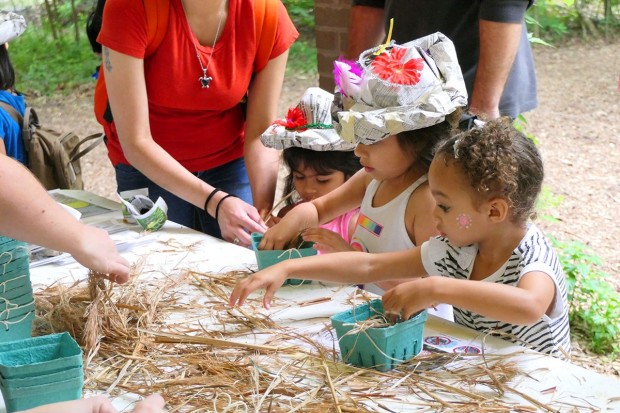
<point x="28" y="397"/>
<point x="378" y="348"/>
<point x="12" y="313"/>
<point x="68" y="374"/>
<point x="15" y="286"/>
<point x="39" y="355"/>
<point x="18" y="328"/>
<point x="6" y="302"/>
<point x="267" y="258"/>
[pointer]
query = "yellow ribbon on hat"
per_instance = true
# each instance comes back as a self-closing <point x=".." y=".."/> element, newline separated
<point x="381" y="48"/>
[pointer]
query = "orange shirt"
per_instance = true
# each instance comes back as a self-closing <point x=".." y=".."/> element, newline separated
<point x="200" y="128"/>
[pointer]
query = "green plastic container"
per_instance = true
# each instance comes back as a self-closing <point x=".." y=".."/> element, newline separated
<point x="28" y="397"/>
<point x="18" y="328"/>
<point x="39" y="355"/>
<point x="13" y="302"/>
<point x="267" y="258"/>
<point x="378" y="348"/>
<point x="15" y="286"/>
<point x="17" y="312"/>
<point x="18" y="291"/>
<point x="72" y="373"/>
<point x="14" y="269"/>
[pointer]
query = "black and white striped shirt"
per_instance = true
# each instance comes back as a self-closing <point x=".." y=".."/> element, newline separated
<point x="534" y="253"/>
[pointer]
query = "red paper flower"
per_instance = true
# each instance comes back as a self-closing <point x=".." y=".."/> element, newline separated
<point x="389" y="66"/>
<point x="295" y="120"/>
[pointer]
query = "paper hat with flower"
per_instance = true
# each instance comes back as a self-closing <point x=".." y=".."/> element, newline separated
<point x="308" y="125"/>
<point x="395" y="88"/>
<point x="11" y="26"/>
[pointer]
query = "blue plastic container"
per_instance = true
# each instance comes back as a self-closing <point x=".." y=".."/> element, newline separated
<point x="267" y="258"/>
<point x="379" y="348"/>
<point x="39" y="355"/>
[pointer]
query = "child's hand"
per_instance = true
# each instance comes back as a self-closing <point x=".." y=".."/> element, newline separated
<point x="326" y="241"/>
<point x="408" y="298"/>
<point x="270" y="279"/>
<point x="96" y="250"/>
<point x="272" y="220"/>
<point x="302" y="216"/>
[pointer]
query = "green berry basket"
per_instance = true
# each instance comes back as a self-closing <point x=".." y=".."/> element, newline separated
<point x="37" y="356"/>
<point x="267" y="258"/>
<point x="16" y="328"/>
<point x="380" y="348"/>
<point x="27" y="397"/>
<point x="72" y="373"/>
<point x="15" y="286"/>
<point x="18" y="291"/>
<point x="7" y="303"/>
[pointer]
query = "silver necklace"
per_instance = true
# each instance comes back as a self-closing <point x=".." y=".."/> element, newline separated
<point x="205" y="80"/>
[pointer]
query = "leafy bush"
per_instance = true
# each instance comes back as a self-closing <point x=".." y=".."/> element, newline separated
<point x="594" y="303"/>
<point x="556" y="20"/>
<point x="45" y="66"/>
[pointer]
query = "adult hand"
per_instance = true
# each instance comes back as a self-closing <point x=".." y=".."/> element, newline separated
<point x="326" y="241"/>
<point x="96" y="250"/>
<point x="237" y="220"/>
<point x="270" y="279"/>
<point x="408" y="298"/>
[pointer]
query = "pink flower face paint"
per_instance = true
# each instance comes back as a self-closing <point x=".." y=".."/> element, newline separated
<point x="464" y="221"/>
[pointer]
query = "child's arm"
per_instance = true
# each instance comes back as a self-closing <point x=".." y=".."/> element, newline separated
<point x="326" y="241"/>
<point x="521" y="305"/>
<point x="311" y="214"/>
<point x="344" y="267"/>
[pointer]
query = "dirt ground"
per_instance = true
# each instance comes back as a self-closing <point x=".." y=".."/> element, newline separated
<point x="577" y="124"/>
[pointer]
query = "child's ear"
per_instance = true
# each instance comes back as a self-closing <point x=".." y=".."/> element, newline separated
<point x="498" y="210"/>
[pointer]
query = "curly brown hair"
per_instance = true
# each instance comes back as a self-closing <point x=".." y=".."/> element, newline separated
<point x="498" y="161"/>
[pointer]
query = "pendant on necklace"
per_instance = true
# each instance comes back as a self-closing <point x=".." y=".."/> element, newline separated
<point x="205" y="81"/>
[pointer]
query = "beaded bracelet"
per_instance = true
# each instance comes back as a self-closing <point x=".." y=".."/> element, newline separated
<point x="216" y="190"/>
<point x="217" y="208"/>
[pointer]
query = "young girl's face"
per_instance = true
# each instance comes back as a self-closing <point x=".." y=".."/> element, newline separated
<point x="309" y="185"/>
<point x="385" y="159"/>
<point x="456" y="215"/>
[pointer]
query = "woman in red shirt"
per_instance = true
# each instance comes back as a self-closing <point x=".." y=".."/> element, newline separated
<point x="181" y="129"/>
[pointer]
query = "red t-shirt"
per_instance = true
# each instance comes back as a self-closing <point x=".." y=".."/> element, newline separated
<point x="201" y="128"/>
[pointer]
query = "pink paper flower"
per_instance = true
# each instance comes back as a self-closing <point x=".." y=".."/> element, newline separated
<point x="347" y="76"/>
<point x="390" y="67"/>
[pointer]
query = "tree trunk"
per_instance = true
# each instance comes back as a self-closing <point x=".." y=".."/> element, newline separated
<point x="76" y="21"/>
<point x="52" y="19"/>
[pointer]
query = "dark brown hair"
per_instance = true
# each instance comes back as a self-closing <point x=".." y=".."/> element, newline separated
<point x="421" y="143"/>
<point x="323" y="162"/>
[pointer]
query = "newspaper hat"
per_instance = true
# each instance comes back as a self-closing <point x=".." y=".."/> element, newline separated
<point x="395" y="88"/>
<point x="308" y="125"/>
<point x="11" y="26"/>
